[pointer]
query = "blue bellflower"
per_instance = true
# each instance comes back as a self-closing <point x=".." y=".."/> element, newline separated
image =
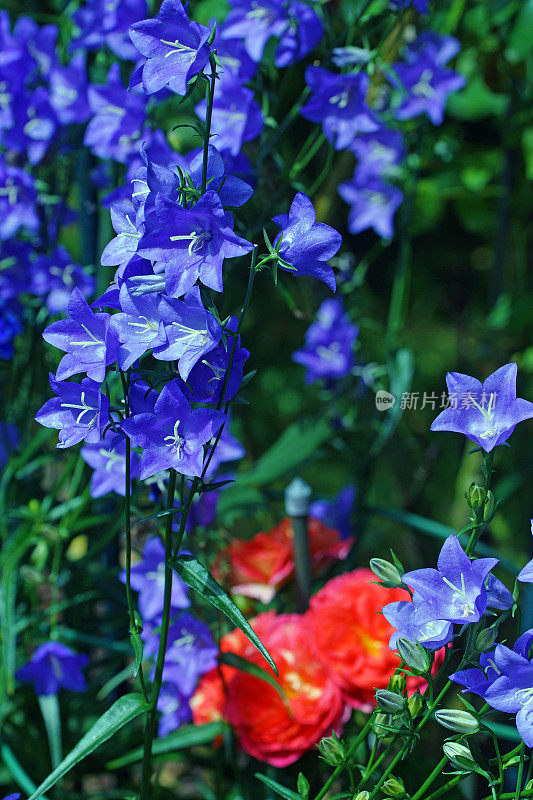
<point x="508" y="685"/>
<point x="455" y="591"/>
<point x="486" y="413"/>
<point x="254" y="23"/>
<point x="54" y="277"/>
<point x="373" y="203"/>
<point x="175" y="48"/>
<point x="88" y="339"/>
<point x="108" y="460"/>
<point x="148" y="578"/>
<point x="79" y="411"/>
<point x="173" y="435"/>
<point x="338" y="102"/>
<point x="328" y="350"/>
<point x="54" y="666"/>
<point x="236" y="117"/>
<point x="336" y="513"/>
<point x="402" y="615"/>
<point x="192" y="243"/>
<point x="207" y="377"/>
<point x="102" y="22"/>
<point x="306" y="244"/>
<point x="17" y="201"/>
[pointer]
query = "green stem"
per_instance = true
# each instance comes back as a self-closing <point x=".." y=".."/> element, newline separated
<point x="149" y="732"/>
<point x="208" y="116"/>
<point x="449" y="785"/>
<point x="520" y="772"/>
<point x="351" y="750"/>
<point x="398" y="757"/>
<point x="477" y="532"/>
<point x="304" y="160"/>
<point x="430" y="778"/>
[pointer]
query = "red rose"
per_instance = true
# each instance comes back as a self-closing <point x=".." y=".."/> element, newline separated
<point x="351" y="636"/>
<point x="269" y="728"/>
<point x="258" y="566"/>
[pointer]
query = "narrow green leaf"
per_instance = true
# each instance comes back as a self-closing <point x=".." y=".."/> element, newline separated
<point x="187" y="736"/>
<point x="124" y="710"/>
<point x="19" y="775"/>
<point x="138" y="647"/>
<point x="200" y="579"/>
<point x="288" y="794"/>
<point x="49" y="705"/>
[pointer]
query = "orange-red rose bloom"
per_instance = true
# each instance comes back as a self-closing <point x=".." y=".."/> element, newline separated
<point x="258" y="566"/>
<point x="351" y="636"/>
<point x="269" y="728"/>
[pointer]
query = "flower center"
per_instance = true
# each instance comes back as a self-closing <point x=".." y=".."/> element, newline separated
<point x="342" y="99"/>
<point x="466" y="606"/>
<point x="424" y="88"/>
<point x="191" y="334"/>
<point x="197" y="240"/>
<point x="144" y="327"/>
<point x="84" y="409"/>
<point x="175" y="440"/>
<point x="179" y="48"/>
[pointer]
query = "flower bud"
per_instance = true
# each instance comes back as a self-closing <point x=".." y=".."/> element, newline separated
<point x="332" y="750"/>
<point x="457" y="720"/>
<point x="398" y="682"/>
<point x="394" y="787"/>
<point x="364" y="795"/>
<point x="390" y="702"/>
<point x="486" y="638"/>
<point x="490" y="507"/>
<point x="381" y="724"/>
<point x="476" y="496"/>
<point x="386" y="572"/>
<point x="415" y="704"/>
<point x="459" y="755"/>
<point x="414" y="655"/>
<point x="303" y="786"/>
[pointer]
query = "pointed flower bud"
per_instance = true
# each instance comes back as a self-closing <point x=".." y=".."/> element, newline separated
<point x="332" y="750"/>
<point x="460" y="756"/>
<point x="390" y="702"/>
<point x="415" y="704"/>
<point x="457" y="720"/>
<point x="386" y="572"/>
<point x="486" y="638"/>
<point x="394" y="787"/>
<point x="398" y="682"/>
<point x="364" y="795"/>
<point x="414" y="655"/>
<point x="490" y="507"/>
<point x="476" y="496"/>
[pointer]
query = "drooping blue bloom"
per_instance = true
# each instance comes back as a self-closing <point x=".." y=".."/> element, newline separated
<point x="425" y="86"/>
<point x="478" y="679"/>
<point x="378" y="153"/>
<point x="486" y="413"/>
<point x="34" y="125"/>
<point x="237" y="116"/>
<point x="79" y="411"/>
<point x="402" y="615"/>
<point x="68" y="91"/>
<point x="192" y="243"/>
<point x="254" y="23"/>
<point x="328" y="349"/>
<point x="350" y="56"/>
<point x="103" y="22"/>
<point x="234" y="57"/>
<point x="39" y="46"/>
<point x="173" y="435"/>
<point x="87" y="338"/>
<point x="54" y="666"/>
<point x="139" y="328"/>
<point x="306" y="244"/>
<point x="176" y="49"/>
<point x="190" y="331"/>
<point x="455" y="591"/>
<point x="498" y="595"/>
<point x="108" y="460"/>
<point x="206" y="379"/>
<point x="508" y="686"/>
<point x="115" y="130"/>
<point x="338" y="102"/>
<point x="17" y="201"/>
<point x="190" y="653"/>
<point x="440" y="49"/>
<point x="54" y="277"/>
<point x="129" y="227"/>
<point x="232" y="191"/>
<point x="373" y="204"/>
<point x="336" y="513"/>
<point x="303" y="32"/>
<point x="148" y="578"/>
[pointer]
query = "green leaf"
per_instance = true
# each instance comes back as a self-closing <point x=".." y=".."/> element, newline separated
<point x="49" y="706"/>
<point x="288" y="794"/>
<point x="295" y="445"/>
<point x="476" y="101"/>
<point x="187" y="736"/>
<point x="520" y="42"/>
<point x="234" y="660"/>
<point x="124" y="710"/>
<point x="138" y="647"/>
<point x="200" y="579"/>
